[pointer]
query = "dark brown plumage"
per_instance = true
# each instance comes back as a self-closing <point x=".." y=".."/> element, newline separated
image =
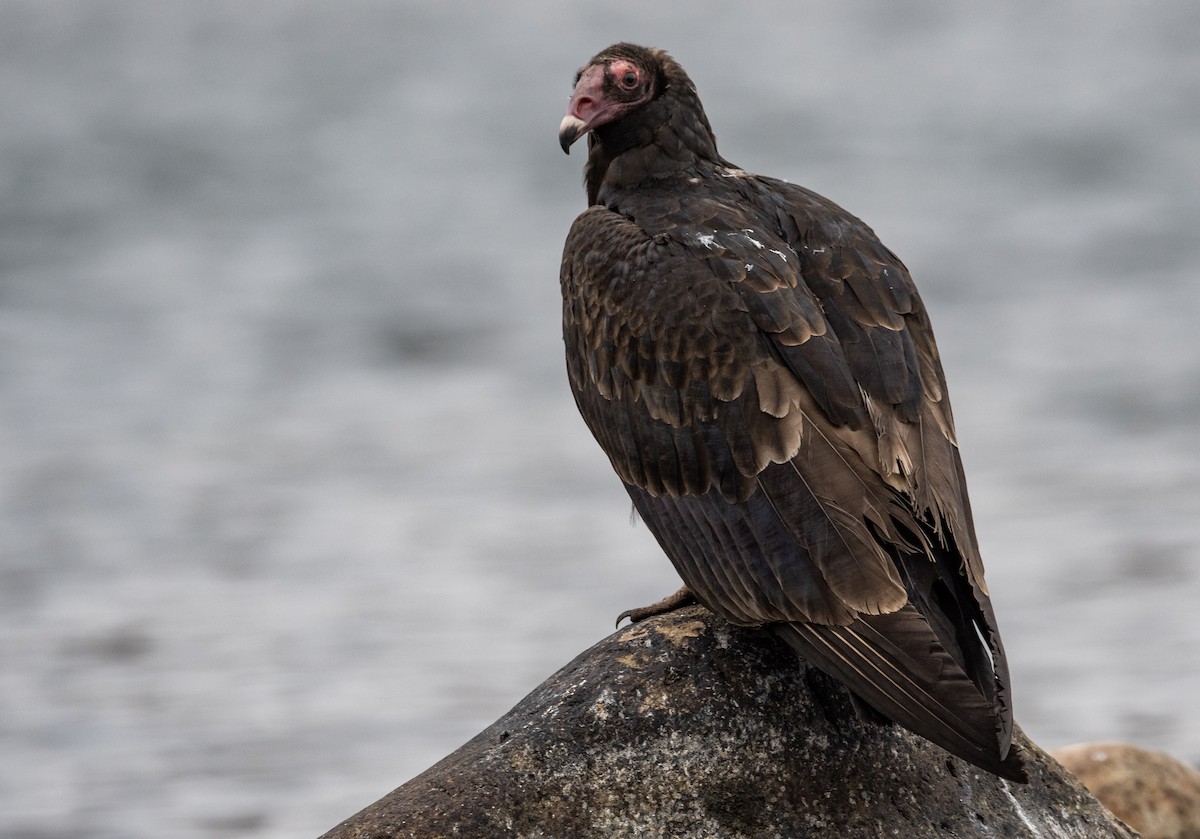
<point x="762" y="374"/>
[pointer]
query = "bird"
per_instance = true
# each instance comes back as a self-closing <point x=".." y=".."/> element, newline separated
<point x="762" y="374"/>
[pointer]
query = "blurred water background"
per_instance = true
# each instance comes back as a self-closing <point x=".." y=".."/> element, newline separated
<point x="294" y="498"/>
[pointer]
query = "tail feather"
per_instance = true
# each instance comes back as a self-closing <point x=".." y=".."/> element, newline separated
<point x="896" y="665"/>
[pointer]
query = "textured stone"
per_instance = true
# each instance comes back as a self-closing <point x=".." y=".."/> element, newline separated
<point x="682" y="726"/>
<point x="1153" y="793"/>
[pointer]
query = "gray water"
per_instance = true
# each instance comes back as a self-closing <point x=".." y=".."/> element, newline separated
<point x="294" y="499"/>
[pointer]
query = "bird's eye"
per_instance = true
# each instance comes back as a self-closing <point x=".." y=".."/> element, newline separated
<point x="625" y="74"/>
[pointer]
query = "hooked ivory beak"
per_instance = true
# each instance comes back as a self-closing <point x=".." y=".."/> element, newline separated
<point x="570" y="130"/>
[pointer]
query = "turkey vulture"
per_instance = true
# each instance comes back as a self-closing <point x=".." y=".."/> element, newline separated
<point x="763" y="376"/>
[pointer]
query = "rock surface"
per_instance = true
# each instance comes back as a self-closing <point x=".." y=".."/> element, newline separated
<point x="682" y="726"/>
<point x="1153" y="793"/>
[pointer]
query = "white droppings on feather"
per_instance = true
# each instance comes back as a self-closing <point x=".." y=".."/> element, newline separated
<point x="746" y="232"/>
<point x="780" y="254"/>
<point x="706" y="239"/>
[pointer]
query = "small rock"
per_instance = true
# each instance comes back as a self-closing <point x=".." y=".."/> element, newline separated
<point x="1152" y="792"/>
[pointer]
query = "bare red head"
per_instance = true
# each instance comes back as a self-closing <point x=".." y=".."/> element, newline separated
<point x="615" y="82"/>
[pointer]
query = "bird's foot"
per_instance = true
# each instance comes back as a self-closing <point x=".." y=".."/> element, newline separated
<point x="670" y="603"/>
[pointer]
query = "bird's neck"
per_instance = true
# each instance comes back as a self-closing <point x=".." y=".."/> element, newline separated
<point x="671" y="139"/>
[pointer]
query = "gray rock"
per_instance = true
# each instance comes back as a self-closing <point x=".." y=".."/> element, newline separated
<point x="683" y="726"/>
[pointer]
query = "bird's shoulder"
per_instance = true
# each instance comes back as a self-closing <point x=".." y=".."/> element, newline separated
<point x="736" y="251"/>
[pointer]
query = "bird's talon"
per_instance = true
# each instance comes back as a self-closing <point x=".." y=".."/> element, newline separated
<point x="670" y="603"/>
